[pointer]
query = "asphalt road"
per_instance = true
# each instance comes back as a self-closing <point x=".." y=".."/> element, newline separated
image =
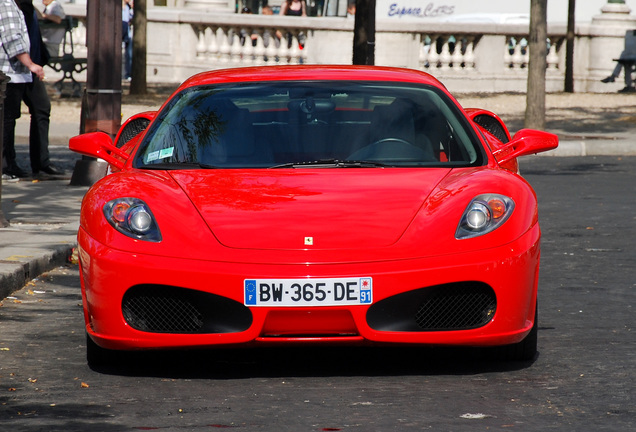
<point x="582" y="380"/>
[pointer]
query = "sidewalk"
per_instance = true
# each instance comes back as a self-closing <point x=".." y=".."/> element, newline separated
<point x="44" y="218"/>
<point x="44" y="215"/>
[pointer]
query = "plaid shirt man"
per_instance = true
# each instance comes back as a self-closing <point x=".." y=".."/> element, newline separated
<point x="14" y="40"/>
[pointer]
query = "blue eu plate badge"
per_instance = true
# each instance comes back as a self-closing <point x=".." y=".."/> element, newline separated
<point x="250" y="292"/>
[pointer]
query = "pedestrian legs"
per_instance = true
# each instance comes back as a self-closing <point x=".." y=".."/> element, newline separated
<point x="37" y="100"/>
<point x="12" y="104"/>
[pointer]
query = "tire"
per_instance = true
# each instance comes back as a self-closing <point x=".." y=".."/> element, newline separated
<point x="97" y="357"/>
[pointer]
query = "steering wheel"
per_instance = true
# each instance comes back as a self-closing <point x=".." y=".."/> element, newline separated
<point x="389" y="140"/>
<point x="389" y="149"/>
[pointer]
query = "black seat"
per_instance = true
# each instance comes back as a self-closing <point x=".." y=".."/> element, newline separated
<point x="393" y="136"/>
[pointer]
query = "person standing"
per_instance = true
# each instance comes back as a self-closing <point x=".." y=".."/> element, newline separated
<point x="16" y="63"/>
<point x="126" y="33"/>
<point x="52" y="37"/>
<point x="294" y="8"/>
<point x="36" y="98"/>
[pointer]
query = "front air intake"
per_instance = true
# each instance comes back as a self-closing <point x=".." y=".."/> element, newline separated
<point x="457" y="306"/>
<point x="168" y="309"/>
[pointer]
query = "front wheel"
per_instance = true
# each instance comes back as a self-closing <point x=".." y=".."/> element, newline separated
<point x="97" y="356"/>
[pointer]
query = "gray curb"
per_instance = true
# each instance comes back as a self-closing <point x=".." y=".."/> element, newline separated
<point x="16" y="274"/>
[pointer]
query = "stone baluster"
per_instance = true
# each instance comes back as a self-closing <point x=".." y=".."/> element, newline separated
<point x="213" y="46"/>
<point x="423" y="53"/>
<point x="247" y="55"/>
<point x="284" y="51"/>
<point x="553" y="58"/>
<point x="433" y="57"/>
<point x="294" y="51"/>
<point x="507" y="54"/>
<point x="236" y="50"/>
<point x="201" y="45"/>
<point x="259" y="49"/>
<point x="445" y="56"/>
<point x="271" y="51"/>
<point x="517" y="57"/>
<point x="224" y="45"/>
<point x="469" y="54"/>
<point x="302" y="55"/>
<point x="525" y="53"/>
<point x="457" y="58"/>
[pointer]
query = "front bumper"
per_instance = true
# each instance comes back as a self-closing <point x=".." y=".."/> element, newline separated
<point x="110" y="277"/>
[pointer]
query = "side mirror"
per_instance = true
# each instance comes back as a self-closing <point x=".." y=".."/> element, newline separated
<point x="98" y="145"/>
<point x="526" y="142"/>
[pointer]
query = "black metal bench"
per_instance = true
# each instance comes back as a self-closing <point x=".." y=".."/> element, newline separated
<point x="68" y="64"/>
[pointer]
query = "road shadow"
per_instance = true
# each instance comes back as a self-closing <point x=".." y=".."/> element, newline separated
<point x="310" y="361"/>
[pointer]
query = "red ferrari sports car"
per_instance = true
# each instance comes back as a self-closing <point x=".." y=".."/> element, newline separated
<point x="311" y="204"/>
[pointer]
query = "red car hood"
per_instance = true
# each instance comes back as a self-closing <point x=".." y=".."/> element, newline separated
<point x="308" y="208"/>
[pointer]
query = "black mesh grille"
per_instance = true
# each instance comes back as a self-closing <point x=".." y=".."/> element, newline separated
<point x="492" y="125"/>
<point x="131" y="130"/>
<point x="457" y="307"/>
<point x="169" y="309"/>
<point x="161" y="314"/>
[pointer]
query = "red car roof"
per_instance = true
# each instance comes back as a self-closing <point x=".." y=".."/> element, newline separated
<point x="312" y="72"/>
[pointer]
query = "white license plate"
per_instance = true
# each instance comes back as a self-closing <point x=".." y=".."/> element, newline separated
<point x="309" y="292"/>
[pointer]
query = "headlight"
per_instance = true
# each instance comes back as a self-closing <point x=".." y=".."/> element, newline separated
<point x="132" y="217"/>
<point x="484" y="214"/>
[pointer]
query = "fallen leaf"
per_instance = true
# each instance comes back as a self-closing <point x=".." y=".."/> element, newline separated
<point x="84" y="385"/>
<point x="74" y="258"/>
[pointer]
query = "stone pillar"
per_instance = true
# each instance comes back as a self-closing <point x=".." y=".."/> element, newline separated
<point x="607" y="33"/>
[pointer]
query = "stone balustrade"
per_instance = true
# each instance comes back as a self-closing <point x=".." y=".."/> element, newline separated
<point x="466" y="57"/>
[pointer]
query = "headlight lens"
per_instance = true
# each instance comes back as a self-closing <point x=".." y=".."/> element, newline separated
<point x="139" y="220"/>
<point x="132" y="217"/>
<point x="484" y="214"/>
<point x="478" y="216"/>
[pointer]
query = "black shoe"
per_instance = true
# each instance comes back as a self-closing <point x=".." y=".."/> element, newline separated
<point x="609" y="79"/>
<point x="52" y="170"/>
<point x="628" y="90"/>
<point x="15" y="170"/>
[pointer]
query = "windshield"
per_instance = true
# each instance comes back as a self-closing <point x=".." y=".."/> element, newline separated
<point x="309" y="124"/>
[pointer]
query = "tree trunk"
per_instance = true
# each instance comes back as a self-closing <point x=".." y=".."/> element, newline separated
<point x="364" y="33"/>
<point x="138" y="84"/>
<point x="535" y="98"/>
<point x="569" y="50"/>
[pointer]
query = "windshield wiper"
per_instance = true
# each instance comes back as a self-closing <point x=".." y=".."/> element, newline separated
<point x="178" y="166"/>
<point x="332" y="163"/>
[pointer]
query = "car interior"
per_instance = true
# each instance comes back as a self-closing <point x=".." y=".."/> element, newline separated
<point x="307" y="126"/>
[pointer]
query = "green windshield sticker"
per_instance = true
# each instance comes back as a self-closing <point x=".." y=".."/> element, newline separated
<point x="165" y="153"/>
